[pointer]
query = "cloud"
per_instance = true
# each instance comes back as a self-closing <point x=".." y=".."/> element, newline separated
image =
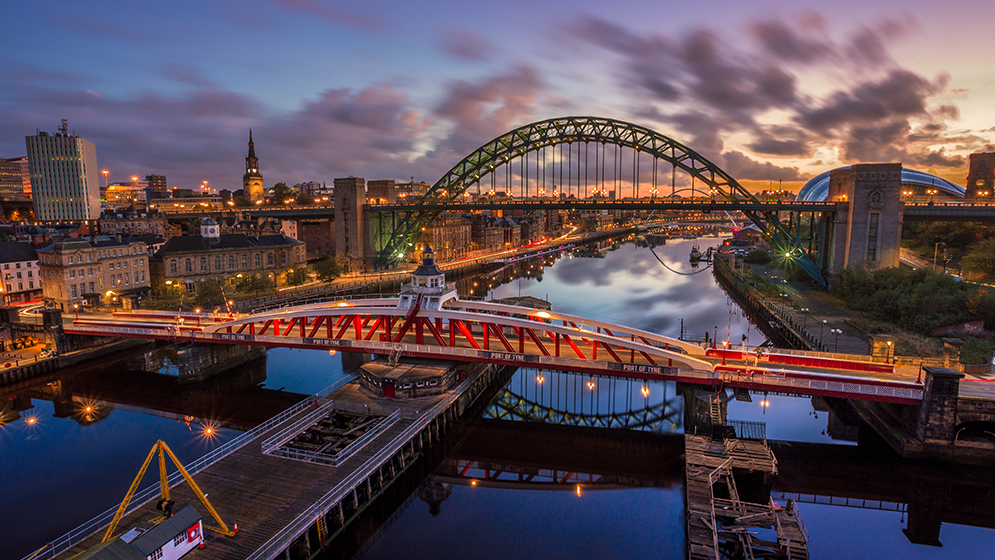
<point x="714" y="87"/>
<point x="464" y="44"/>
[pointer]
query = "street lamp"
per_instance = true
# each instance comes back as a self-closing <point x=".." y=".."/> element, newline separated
<point x="887" y="352"/>
<point x="804" y="311"/>
<point x="935" y="250"/>
<point x="837" y="333"/>
<point x="76" y="309"/>
<point x="197" y="311"/>
<point x="822" y="326"/>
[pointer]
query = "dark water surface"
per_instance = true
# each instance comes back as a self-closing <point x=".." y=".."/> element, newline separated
<point x="59" y="472"/>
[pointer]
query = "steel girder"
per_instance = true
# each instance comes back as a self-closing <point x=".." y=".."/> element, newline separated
<point x="532" y="137"/>
<point x="511" y="406"/>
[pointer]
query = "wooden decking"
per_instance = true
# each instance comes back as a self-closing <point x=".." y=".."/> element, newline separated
<point x="719" y="523"/>
<point x="264" y="493"/>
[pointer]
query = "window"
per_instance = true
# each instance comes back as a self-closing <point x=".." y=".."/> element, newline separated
<point x="172" y="267"/>
<point x="872" y="237"/>
<point x="20" y="286"/>
<point x="18" y="265"/>
<point x="188" y="266"/>
<point x="89" y="257"/>
<point x="141" y="262"/>
<point x="259" y="260"/>
<point x="89" y="272"/>
<point x="203" y="264"/>
<point x="70" y="261"/>
<point x="92" y="291"/>
<point x="73" y="288"/>
<point x="31" y="284"/>
<point x="217" y="263"/>
<point x="72" y="273"/>
<point x="231" y="261"/>
<point x="245" y="261"/>
<point x="10" y="288"/>
<point x="18" y="274"/>
<point x="178" y="539"/>
<point x="136" y="277"/>
<point x="6" y="266"/>
<point x="269" y="259"/>
<point x="143" y="276"/>
<point x="29" y="274"/>
<point x="155" y="555"/>
<point x="283" y="258"/>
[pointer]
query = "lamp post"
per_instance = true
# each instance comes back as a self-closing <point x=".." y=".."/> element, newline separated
<point x="837" y="333"/>
<point x="804" y="311"/>
<point x="822" y="326"/>
<point x="197" y="311"/>
<point x="936" y="249"/>
<point x="76" y="309"/>
<point x="887" y="352"/>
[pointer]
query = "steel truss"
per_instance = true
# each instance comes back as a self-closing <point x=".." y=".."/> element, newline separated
<point x="511" y="406"/>
<point x="568" y="130"/>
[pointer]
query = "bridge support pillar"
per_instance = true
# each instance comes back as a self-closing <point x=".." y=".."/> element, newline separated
<point x="868" y="226"/>
<point x="937" y="417"/>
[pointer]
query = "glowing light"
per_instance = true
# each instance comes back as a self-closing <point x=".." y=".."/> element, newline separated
<point x="473" y="483"/>
<point x="209" y="430"/>
<point x="578" y="490"/>
<point x="30" y="420"/>
<point x="645" y="391"/>
<point x="765" y="403"/>
<point x="540" y="379"/>
<point x="343" y="304"/>
<point x="590" y="385"/>
<point x="542" y="314"/>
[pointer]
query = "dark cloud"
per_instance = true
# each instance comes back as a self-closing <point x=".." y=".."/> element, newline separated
<point x="781" y="40"/>
<point x="711" y="91"/>
<point x="937" y="159"/>
<point x="741" y="166"/>
<point x="900" y="93"/>
<point x="464" y="44"/>
<point x="481" y="111"/>
<point x="777" y="147"/>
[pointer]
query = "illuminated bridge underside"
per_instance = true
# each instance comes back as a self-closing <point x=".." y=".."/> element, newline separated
<point x="503" y="334"/>
<point x="569" y="130"/>
<point x="510" y="406"/>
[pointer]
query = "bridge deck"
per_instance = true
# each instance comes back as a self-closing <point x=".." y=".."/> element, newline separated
<point x="263" y="493"/>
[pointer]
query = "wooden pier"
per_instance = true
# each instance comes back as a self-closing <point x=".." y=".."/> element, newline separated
<point x="719" y="523"/>
<point x="292" y="509"/>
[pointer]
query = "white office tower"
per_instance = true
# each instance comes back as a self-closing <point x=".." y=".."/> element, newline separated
<point x="64" y="176"/>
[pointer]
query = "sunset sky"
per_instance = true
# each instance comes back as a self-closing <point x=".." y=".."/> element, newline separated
<point x="389" y="89"/>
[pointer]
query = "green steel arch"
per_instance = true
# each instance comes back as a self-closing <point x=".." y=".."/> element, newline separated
<point x="567" y="130"/>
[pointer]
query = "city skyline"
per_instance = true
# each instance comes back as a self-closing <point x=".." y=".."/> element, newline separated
<point x="771" y="92"/>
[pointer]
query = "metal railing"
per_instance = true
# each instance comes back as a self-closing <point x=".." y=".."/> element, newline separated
<point x="348" y="451"/>
<point x="829" y="383"/>
<point x="840" y="501"/>
<point x="297" y="427"/>
<point x="282" y="539"/>
<point x="80" y="533"/>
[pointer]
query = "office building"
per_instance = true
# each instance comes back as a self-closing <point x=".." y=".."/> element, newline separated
<point x="64" y="177"/>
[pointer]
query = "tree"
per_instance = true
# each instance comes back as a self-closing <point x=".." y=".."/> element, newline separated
<point x="980" y="257"/>
<point x="282" y="192"/>
<point x="251" y="283"/>
<point x="295" y="276"/>
<point x="209" y="292"/>
<point x="328" y="269"/>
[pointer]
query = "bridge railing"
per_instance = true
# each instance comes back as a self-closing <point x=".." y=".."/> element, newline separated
<point x="336" y="459"/>
<point x="80" y="533"/>
<point x="283" y="538"/>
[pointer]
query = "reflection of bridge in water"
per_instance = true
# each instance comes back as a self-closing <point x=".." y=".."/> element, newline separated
<point x="518" y="455"/>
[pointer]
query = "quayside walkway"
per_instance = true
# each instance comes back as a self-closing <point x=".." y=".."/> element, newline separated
<point x="283" y="498"/>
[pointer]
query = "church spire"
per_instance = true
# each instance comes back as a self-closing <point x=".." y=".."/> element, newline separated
<point x="252" y="146"/>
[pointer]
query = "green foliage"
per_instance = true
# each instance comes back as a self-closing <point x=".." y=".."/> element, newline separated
<point x="328" y="269"/>
<point x="209" y="292"/>
<point x="251" y="284"/>
<point x="303" y="199"/>
<point x="923" y="237"/>
<point x="295" y="276"/>
<point x="282" y="192"/>
<point x="980" y="257"/>
<point x="918" y="300"/>
<point x="976" y="352"/>
<point x="757" y="256"/>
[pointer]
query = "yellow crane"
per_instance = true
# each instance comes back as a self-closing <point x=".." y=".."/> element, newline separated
<point x="164" y="504"/>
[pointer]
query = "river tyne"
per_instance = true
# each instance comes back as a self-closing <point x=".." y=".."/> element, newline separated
<point x="566" y="491"/>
